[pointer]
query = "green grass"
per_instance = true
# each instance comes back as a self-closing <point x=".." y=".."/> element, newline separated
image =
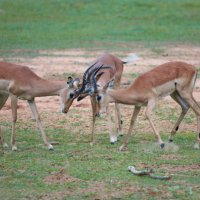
<point x="98" y="172"/>
<point x="51" y="24"/>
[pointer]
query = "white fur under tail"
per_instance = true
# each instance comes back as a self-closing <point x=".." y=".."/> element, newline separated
<point x="131" y="58"/>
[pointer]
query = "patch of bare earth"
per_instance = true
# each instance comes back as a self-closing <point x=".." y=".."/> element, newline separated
<point x="60" y="178"/>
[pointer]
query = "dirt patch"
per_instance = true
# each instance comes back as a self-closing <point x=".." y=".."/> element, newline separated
<point x="59" y="178"/>
<point x="181" y="168"/>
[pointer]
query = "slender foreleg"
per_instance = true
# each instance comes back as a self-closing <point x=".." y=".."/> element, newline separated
<point x="93" y="103"/>
<point x="133" y="119"/>
<point x="14" y="101"/>
<point x="149" y="111"/>
<point x="3" y="99"/>
<point x="112" y="132"/>
<point x="118" y="121"/>
<point x="38" y="121"/>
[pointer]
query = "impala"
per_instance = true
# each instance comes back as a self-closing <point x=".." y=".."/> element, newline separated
<point x="105" y="75"/>
<point x="19" y="82"/>
<point x="176" y="79"/>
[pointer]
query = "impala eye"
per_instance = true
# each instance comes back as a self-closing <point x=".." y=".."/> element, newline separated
<point x="71" y="95"/>
<point x="98" y="98"/>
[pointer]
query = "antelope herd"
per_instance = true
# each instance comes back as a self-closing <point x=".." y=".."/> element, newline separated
<point x="101" y="81"/>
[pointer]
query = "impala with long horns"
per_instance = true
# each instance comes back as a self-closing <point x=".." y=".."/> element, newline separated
<point x="176" y="79"/>
<point x="104" y="76"/>
<point x="20" y="82"/>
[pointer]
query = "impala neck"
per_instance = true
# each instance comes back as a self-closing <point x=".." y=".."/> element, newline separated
<point x="123" y="96"/>
<point x="47" y="88"/>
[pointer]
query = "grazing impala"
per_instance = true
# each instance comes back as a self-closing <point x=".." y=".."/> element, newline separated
<point x="176" y="79"/>
<point x="20" y="82"/>
<point x="104" y="75"/>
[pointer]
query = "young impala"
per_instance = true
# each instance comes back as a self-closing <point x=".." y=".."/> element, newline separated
<point x="176" y="79"/>
<point x="105" y="74"/>
<point x="20" y="82"/>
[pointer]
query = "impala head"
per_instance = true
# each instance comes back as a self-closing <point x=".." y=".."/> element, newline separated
<point x="70" y="93"/>
<point x="102" y="98"/>
<point x="99" y="92"/>
<point x="87" y="86"/>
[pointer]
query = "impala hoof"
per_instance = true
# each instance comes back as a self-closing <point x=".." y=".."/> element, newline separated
<point x="170" y="140"/>
<point x="91" y="144"/>
<point x="50" y="147"/>
<point x="5" y="145"/>
<point x="113" y="140"/>
<point x="162" y="145"/>
<point x="14" y="148"/>
<point x="123" y="148"/>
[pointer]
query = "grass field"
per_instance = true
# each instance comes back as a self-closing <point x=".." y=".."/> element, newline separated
<point x="75" y="170"/>
<point x="52" y="24"/>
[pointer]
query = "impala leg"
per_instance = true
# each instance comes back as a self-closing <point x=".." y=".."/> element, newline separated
<point x="37" y="119"/>
<point x="118" y="122"/>
<point x="14" y="102"/>
<point x="187" y="95"/>
<point x="133" y="119"/>
<point x="112" y="132"/>
<point x="93" y="103"/>
<point x="185" y="107"/>
<point x="3" y="99"/>
<point x="149" y="111"/>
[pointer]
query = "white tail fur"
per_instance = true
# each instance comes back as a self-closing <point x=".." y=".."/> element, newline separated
<point x="131" y="58"/>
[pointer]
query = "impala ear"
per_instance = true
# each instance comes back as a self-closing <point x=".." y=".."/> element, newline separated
<point x="70" y="79"/>
<point x="99" y="75"/>
<point x="70" y="82"/>
<point x="76" y="82"/>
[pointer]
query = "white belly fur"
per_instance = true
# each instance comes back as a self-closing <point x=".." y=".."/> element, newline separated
<point x="165" y="89"/>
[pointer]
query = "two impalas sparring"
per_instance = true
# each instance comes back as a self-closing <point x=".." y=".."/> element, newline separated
<point x="19" y="82"/>
<point x="101" y="81"/>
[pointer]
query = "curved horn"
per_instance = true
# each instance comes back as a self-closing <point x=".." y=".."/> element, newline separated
<point x="85" y="77"/>
<point x="94" y="82"/>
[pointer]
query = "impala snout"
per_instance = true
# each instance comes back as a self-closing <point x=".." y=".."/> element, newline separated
<point x="65" y="106"/>
<point x="102" y="111"/>
<point x="65" y="110"/>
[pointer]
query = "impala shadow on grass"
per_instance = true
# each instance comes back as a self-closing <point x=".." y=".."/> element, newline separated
<point x="151" y="147"/>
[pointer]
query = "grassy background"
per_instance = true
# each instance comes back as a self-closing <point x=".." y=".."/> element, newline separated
<point x="42" y="24"/>
<point x="99" y="172"/>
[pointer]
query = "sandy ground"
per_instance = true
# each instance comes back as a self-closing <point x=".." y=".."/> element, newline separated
<point x="60" y="64"/>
